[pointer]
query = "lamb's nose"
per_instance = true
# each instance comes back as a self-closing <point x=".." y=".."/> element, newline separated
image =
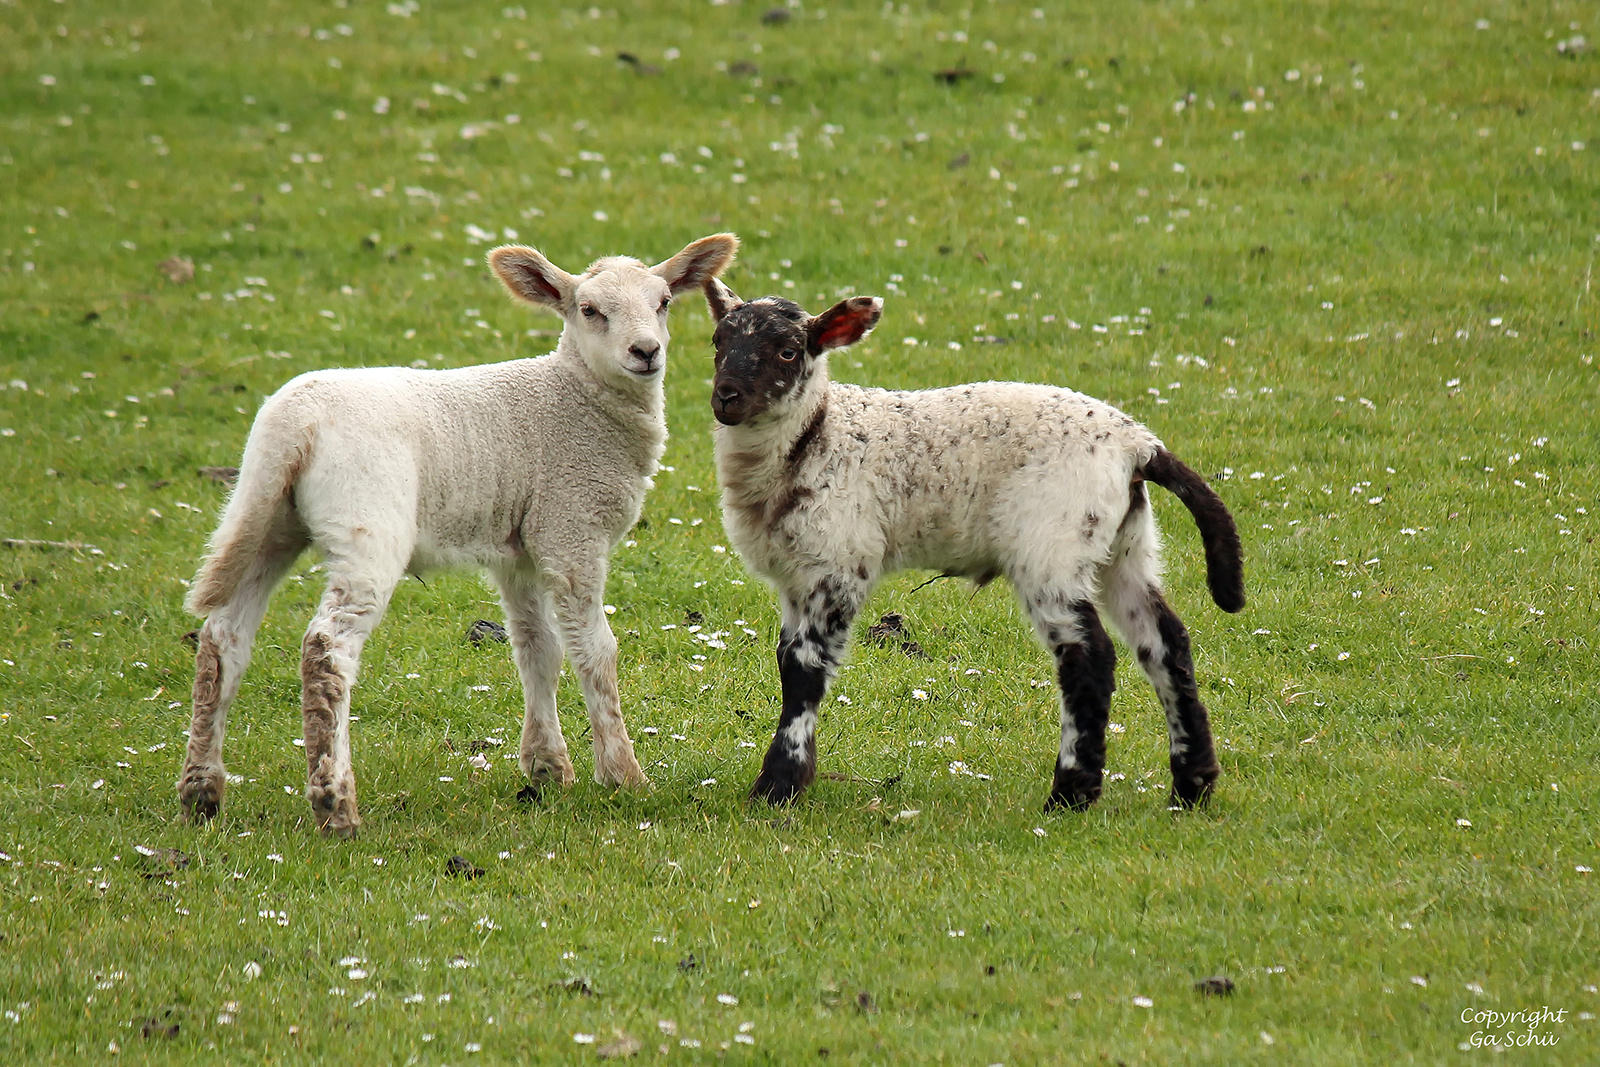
<point x="726" y="395"/>
<point x="647" y="354"/>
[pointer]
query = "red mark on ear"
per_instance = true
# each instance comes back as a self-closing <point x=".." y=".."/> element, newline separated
<point x="842" y="330"/>
<point x="846" y="323"/>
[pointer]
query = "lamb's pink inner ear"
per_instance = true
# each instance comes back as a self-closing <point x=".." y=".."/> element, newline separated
<point x="529" y="276"/>
<point x="698" y="263"/>
<point x="531" y="281"/>
<point x="846" y="322"/>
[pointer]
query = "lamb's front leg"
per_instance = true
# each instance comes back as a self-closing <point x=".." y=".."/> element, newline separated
<point x="536" y="648"/>
<point x="816" y="628"/>
<point x="592" y="648"/>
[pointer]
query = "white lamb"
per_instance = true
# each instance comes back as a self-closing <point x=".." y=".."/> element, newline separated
<point x="827" y="487"/>
<point x="531" y="469"/>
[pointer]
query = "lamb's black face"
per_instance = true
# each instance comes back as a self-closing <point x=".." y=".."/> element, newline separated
<point x="763" y="358"/>
<point x="768" y="348"/>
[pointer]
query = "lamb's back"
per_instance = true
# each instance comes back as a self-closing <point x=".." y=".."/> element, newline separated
<point x="938" y="478"/>
<point x="485" y="450"/>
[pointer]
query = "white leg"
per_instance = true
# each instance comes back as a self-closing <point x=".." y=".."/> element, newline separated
<point x="536" y="648"/>
<point x="1161" y="642"/>
<point x="220" y="660"/>
<point x="592" y="649"/>
<point x="357" y="595"/>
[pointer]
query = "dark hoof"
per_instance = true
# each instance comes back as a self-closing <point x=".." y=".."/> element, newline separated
<point x="201" y="796"/>
<point x="777" y="789"/>
<point x="784" y="777"/>
<point x="1191" y="786"/>
<point x="542" y="777"/>
<point x="1074" y="789"/>
<point x="196" y="809"/>
<point x="1071" y="801"/>
<point x="334" y="808"/>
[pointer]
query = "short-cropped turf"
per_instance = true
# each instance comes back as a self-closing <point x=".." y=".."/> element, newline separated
<point x="1340" y="257"/>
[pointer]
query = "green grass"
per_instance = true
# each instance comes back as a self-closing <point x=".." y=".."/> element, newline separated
<point x="1385" y="266"/>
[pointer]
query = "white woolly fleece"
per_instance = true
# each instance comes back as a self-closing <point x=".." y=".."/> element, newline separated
<point x="978" y="480"/>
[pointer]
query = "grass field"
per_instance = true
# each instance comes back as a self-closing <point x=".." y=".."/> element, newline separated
<point x="1338" y="255"/>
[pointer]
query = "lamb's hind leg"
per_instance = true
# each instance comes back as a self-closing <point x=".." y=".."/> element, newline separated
<point x="578" y="599"/>
<point x="1158" y="636"/>
<point x="1085" y="669"/>
<point x="816" y="628"/>
<point x="536" y="647"/>
<point x="222" y="654"/>
<point x="357" y="595"/>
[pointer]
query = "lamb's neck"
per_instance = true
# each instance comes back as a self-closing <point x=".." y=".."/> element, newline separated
<point x="637" y="407"/>
<point x="755" y="460"/>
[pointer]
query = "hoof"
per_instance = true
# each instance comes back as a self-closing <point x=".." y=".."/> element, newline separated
<point x="1191" y="786"/>
<point x="621" y="773"/>
<point x="334" y="808"/>
<point x="543" y="771"/>
<point x="784" y="774"/>
<point x="777" y="787"/>
<point x="542" y="777"/>
<point x="200" y="793"/>
<point x="1075" y="789"/>
<point x="637" y="780"/>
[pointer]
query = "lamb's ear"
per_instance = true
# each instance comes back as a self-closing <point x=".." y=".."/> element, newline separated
<point x="698" y="263"/>
<point x="530" y="277"/>
<point x="720" y="298"/>
<point x="845" y="323"/>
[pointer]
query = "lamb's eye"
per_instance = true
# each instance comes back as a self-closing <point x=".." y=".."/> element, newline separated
<point x="666" y="302"/>
<point x="589" y="312"/>
<point x="789" y="355"/>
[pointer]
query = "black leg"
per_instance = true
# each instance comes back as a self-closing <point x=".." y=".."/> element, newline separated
<point x="1086" y="669"/>
<point x="815" y="632"/>
<point x="1171" y="669"/>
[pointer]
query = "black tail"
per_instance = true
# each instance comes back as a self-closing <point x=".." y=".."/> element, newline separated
<point x="1224" y="556"/>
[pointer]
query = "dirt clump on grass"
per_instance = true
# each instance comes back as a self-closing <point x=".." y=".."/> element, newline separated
<point x="461" y="867"/>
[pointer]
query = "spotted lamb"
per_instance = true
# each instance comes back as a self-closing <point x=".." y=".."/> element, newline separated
<point x="531" y="469"/>
<point x="827" y="487"/>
